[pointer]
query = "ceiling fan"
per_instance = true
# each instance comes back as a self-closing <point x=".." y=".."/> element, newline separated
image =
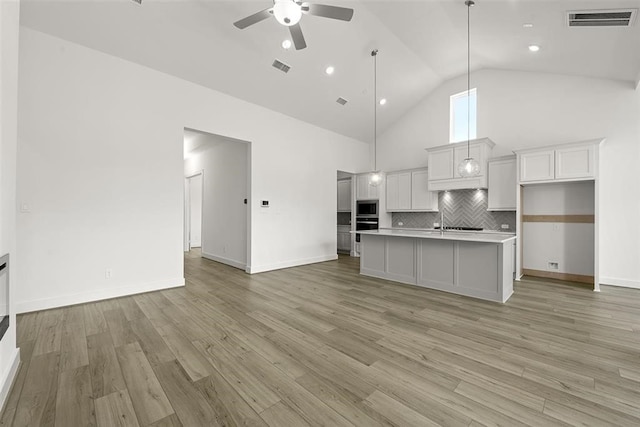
<point x="289" y="13"/>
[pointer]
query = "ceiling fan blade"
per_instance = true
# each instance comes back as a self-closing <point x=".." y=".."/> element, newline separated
<point x="298" y="38"/>
<point x="253" y="19"/>
<point x="326" y="11"/>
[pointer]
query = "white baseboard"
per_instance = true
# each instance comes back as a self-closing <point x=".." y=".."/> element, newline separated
<point x="9" y="377"/>
<point x="97" y="295"/>
<point x="228" y="261"/>
<point x="620" y="282"/>
<point x="287" y="264"/>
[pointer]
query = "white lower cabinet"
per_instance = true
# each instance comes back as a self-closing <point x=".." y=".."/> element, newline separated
<point x="344" y="238"/>
<point x="408" y="191"/>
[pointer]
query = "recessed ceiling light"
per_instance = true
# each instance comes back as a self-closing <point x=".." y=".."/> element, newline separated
<point x="383" y="101"/>
<point x="329" y="70"/>
<point x="286" y="44"/>
<point x="527" y="25"/>
<point x="534" y="48"/>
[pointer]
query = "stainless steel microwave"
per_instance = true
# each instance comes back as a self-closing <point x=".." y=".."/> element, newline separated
<point x="367" y="208"/>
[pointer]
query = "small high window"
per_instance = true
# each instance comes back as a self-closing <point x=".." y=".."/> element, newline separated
<point x="462" y="104"/>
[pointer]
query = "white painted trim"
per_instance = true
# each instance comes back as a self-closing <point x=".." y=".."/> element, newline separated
<point x="97" y="295"/>
<point x="9" y="377"/>
<point x="625" y="283"/>
<point x="287" y="264"/>
<point x="228" y="261"/>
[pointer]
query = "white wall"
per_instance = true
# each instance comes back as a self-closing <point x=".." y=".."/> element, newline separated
<point x="9" y="19"/>
<point x="224" y="226"/>
<point x="522" y="110"/>
<point x="100" y="164"/>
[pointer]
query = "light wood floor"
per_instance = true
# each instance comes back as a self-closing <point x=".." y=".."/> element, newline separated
<point x="321" y="345"/>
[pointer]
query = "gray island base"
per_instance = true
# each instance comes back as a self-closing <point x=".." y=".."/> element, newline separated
<point x="478" y="265"/>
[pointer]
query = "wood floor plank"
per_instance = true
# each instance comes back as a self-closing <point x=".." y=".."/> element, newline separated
<point x="151" y="341"/>
<point x="280" y="414"/>
<point x="9" y="411"/>
<point x="104" y="368"/>
<point x="73" y="345"/>
<point x="115" y="409"/>
<point x="94" y="321"/>
<point x="230" y="408"/>
<point x="170" y="421"/>
<point x="149" y="400"/>
<point x="37" y="403"/>
<point x="192" y="361"/>
<point x="75" y="405"/>
<point x="50" y="333"/>
<point x="254" y="391"/>
<point x="322" y="345"/>
<point x="396" y="412"/>
<point x="190" y="405"/>
<point x="119" y="327"/>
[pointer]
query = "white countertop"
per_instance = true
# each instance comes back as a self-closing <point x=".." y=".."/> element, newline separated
<point x="469" y="236"/>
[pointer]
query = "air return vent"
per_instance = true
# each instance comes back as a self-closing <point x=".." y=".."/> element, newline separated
<point x="341" y="101"/>
<point x="281" y="66"/>
<point x="601" y="18"/>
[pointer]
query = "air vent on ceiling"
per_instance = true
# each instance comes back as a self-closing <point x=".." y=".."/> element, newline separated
<point x="281" y="66"/>
<point x="341" y="101"/>
<point x="137" y="1"/>
<point x="601" y="18"/>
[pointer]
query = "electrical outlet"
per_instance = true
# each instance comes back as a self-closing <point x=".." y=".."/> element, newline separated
<point x="400" y="223"/>
<point x="553" y="265"/>
<point x="505" y="226"/>
<point x="108" y="273"/>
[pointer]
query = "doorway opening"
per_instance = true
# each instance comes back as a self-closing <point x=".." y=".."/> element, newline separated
<point x="216" y="198"/>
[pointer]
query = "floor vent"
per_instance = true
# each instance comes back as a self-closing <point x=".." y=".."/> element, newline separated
<point x="601" y="18"/>
<point x="341" y="101"/>
<point x="281" y="66"/>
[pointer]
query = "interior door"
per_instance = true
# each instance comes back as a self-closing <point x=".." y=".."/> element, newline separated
<point x="195" y="211"/>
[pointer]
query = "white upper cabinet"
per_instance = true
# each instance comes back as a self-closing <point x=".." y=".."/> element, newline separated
<point x="537" y="166"/>
<point x="365" y="191"/>
<point x="398" y="191"/>
<point x="575" y="162"/>
<point x="443" y="164"/>
<point x="408" y="191"/>
<point x="344" y="195"/>
<point x="502" y="184"/>
<point x="568" y="162"/>
<point x="422" y="199"/>
<point x="440" y="164"/>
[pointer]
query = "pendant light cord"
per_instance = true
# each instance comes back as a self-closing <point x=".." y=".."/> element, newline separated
<point x="469" y="3"/>
<point x="374" y="53"/>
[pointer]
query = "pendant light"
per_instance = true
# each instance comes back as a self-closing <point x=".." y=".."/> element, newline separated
<point x="375" y="178"/>
<point x="469" y="166"/>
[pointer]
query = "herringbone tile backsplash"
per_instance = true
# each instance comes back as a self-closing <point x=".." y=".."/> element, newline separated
<point x="462" y="208"/>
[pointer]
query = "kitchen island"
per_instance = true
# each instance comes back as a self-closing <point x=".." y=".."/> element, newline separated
<point x="475" y="264"/>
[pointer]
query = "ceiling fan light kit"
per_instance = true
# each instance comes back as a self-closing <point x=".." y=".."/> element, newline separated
<point x="289" y="13"/>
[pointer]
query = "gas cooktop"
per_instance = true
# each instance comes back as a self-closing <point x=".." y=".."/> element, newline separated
<point x="461" y="228"/>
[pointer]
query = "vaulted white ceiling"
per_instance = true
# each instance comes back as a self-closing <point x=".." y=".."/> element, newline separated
<point x="422" y="43"/>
